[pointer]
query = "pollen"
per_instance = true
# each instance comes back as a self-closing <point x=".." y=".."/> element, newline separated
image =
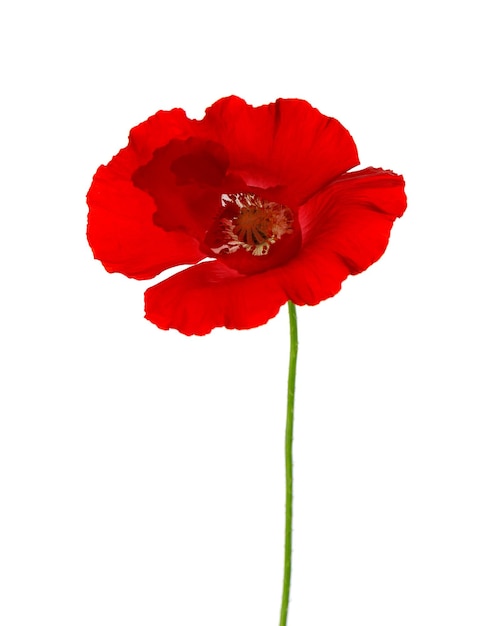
<point x="255" y="226"/>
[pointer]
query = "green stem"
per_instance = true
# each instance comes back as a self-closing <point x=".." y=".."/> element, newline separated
<point x="291" y="385"/>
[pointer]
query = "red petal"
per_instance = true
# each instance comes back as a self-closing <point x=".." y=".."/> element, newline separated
<point x="210" y="295"/>
<point x="121" y="231"/>
<point x="186" y="179"/>
<point x="156" y="132"/>
<point x="286" y="143"/>
<point x="345" y="229"/>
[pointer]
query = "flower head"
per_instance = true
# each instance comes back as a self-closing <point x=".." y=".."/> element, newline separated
<point x="258" y="200"/>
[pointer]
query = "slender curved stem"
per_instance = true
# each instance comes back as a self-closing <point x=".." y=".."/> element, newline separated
<point x="289" y="429"/>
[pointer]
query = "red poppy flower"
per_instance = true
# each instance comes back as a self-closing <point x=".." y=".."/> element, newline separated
<point x="263" y="192"/>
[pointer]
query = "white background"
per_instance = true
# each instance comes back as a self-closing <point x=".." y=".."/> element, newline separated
<point x="141" y="471"/>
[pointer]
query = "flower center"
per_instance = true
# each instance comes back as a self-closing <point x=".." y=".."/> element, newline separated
<point x="252" y="224"/>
